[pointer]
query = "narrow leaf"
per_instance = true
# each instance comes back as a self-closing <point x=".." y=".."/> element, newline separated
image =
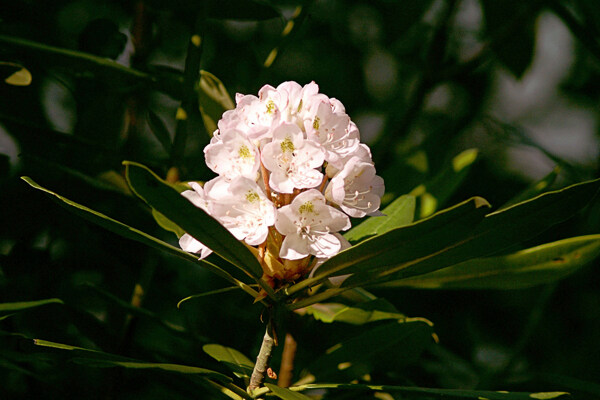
<point x="399" y="213"/>
<point x="437" y="393"/>
<point x="94" y="358"/>
<point x="238" y="363"/>
<point x="286" y="394"/>
<point x="499" y="230"/>
<point x="204" y="228"/>
<point x="139" y="236"/>
<point x="210" y="293"/>
<point x="401" y="245"/>
<point x="10" y="308"/>
<point x="358" y="314"/>
<point x="534" y="266"/>
<point x="535" y="189"/>
<point x="159" y="129"/>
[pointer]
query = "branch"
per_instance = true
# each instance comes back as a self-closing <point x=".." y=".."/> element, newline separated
<point x="262" y="361"/>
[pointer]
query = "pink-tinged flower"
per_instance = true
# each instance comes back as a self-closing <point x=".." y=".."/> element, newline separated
<point x="334" y="131"/>
<point x="198" y="198"/>
<point x="232" y="154"/>
<point x="252" y="116"/>
<point x="308" y="225"/>
<point x="356" y="188"/>
<point x="242" y="207"/>
<point x="292" y="160"/>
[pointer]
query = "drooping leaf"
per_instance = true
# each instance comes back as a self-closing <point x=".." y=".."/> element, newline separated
<point x="139" y="236"/>
<point x="238" y="363"/>
<point x="94" y="358"/>
<point x="286" y="394"/>
<point x="403" y="245"/>
<point x="525" y="268"/>
<point x="204" y="228"/>
<point x="399" y="213"/>
<point x="437" y="393"/>
<point x="497" y="231"/>
<point x="213" y="99"/>
<point x="11" y="308"/>
<point x="359" y="314"/>
<point x="210" y="293"/>
<point x="391" y="345"/>
<point x="159" y="130"/>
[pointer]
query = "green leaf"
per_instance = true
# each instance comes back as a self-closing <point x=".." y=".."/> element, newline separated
<point x="210" y="293"/>
<point x="286" y="394"/>
<point x="159" y="130"/>
<point x="94" y="358"/>
<point x="525" y="268"/>
<point x="359" y="314"/>
<point x="437" y="393"/>
<point x="440" y="188"/>
<point x="399" y="213"/>
<point x="139" y="236"/>
<point x="535" y="189"/>
<point x="213" y="99"/>
<point x="398" y="247"/>
<point x="14" y="74"/>
<point x="238" y="363"/>
<point x="498" y="230"/>
<point x="11" y="308"/>
<point x="167" y="224"/>
<point x="195" y="221"/>
<point x="391" y="345"/>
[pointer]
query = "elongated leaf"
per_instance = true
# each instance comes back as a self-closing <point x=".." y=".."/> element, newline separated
<point x="399" y="213"/>
<point x="286" y="394"/>
<point x="94" y="358"/>
<point x="213" y="99"/>
<point x="401" y="245"/>
<point x="160" y="131"/>
<point x="238" y="363"/>
<point x="438" y="393"/>
<point x="535" y="189"/>
<point x="534" y="266"/>
<point x="359" y="314"/>
<point x="139" y="236"/>
<point x="500" y="230"/>
<point x="162" y="197"/>
<point x="391" y="345"/>
<point x="10" y="308"/>
<point x="210" y="293"/>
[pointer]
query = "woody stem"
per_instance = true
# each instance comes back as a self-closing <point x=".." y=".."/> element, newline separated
<point x="262" y="361"/>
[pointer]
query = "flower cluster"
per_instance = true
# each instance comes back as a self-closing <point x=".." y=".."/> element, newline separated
<point x="291" y="170"/>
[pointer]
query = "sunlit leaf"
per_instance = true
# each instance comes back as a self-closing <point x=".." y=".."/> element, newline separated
<point x="213" y="100"/>
<point x="399" y="213"/>
<point x="139" y="236"/>
<point x="286" y="394"/>
<point x="497" y="231"/>
<point x="238" y="363"/>
<point x="437" y="393"/>
<point x="195" y="221"/>
<point x="209" y="293"/>
<point x="400" y="246"/>
<point x="15" y="74"/>
<point x="359" y="314"/>
<point x="534" y="266"/>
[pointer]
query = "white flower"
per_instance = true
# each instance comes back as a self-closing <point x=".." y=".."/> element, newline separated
<point x="292" y="160"/>
<point x="232" y="154"/>
<point x="308" y="225"/>
<point x="334" y="131"/>
<point x="242" y="207"/>
<point x="356" y="188"/>
<point x="335" y="280"/>
<point x="198" y="198"/>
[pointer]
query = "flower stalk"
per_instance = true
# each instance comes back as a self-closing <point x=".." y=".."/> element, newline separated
<point x="262" y="360"/>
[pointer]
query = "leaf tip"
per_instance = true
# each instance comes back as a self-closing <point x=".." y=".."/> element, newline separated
<point x="481" y="202"/>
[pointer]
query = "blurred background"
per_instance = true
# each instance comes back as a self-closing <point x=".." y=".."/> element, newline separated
<point x="509" y="90"/>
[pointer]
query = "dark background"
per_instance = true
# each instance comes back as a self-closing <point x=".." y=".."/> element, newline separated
<point x="424" y="80"/>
